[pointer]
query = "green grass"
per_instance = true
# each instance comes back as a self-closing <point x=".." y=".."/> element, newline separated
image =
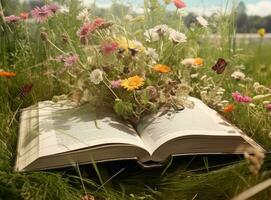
<point x="188" y="178"/>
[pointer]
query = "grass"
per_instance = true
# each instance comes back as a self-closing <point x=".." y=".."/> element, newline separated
<point x="187" y="178"/>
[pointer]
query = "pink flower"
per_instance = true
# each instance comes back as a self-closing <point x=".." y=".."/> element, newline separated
<point x="268" y="107"/>
<point x="53" y="7"/>
<point x="240" y="98"/>
<point x="12" y="19"/>
<point x="41" y="14"/>
<point x="98" y="22"/>
<point x="179" y="4"/>
<point x="85" y="30"/>
<point x="68" y="60"/>
<point x="116" y="84"/>
<point x="109" y="48"/>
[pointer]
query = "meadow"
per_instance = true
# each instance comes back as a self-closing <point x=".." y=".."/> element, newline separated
<point x="30" y="48"/>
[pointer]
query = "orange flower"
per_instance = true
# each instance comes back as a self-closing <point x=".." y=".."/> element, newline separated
<point x="198" y="61"/>
<point x="24" y="15"/>
<point x="7" y="74"/>
<point x="229" y="108"/>
<point x="161" y="68"/>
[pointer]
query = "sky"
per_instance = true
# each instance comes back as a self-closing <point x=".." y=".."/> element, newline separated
<point x="203" y="7"/>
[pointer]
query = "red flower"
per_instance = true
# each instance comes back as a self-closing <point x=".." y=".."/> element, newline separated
<point x="229" y="108"/>
<point x="179" y="4"/>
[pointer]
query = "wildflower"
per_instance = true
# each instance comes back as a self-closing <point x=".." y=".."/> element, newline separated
<point x="162" y="29"/>
<point x="12" y="19"/>
<point x="70" y="60"/>
<point x="84" y="15"/>
<point x="85" y="30"/>
<point x="98" y="22"/>
<point x="188" y="62"/>
<point x="240" y="98"/>
<point x="25" y="90"/>
<point x="177" y="37"/>
<point x="24" y="15"/>
<point x="268" y="107"/>
<point x="151" y="35"/>
<point x="203" y="22"/>
<point x="161" y="68"/>
<point x="132" y="83"/>
<point x="109" y="48"/>
<point x="198" y="62"/>
<point x="229" y="108"/>
<point x="53" y="7"/>
<point x="96" y="76"/>
<point x="116" y="84"/>
<point x="255" y="160"/>
<point x="127" y="44"/>
<point x="179" y="4"/>
<point x="152" y="54"/>
<point x="41" y="14"/>
<point x="238" y="75"/>
<point x="261" y="32"/>
<point x="7" y="74"/>
<point x="220" y="66"/>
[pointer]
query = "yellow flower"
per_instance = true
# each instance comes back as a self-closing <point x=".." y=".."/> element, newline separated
<point x="126" y="44"/>
<point x="161" y="68"/>
<point x="198" y="61"/>
<point x="261" y="32"/>
<point x="132" y="83"/>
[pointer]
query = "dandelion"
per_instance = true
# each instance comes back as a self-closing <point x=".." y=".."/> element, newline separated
<point x="24" y="15"/>
<point x="261" y="32"/>
<point x="203" y="22"/>
<point x="177" y="37"/>
<point x="109" y="48"/>
<point x="96" y="76"/>
<point x="41" y="14"/>
<point x="116" y="84"/>
<point x="7" y="74"/>
<point x="240" y="98"/>
<point x="132" y="83"/>
<point x="238" y="75"/>
<point x="12" y="19"/>
<point x="161" y="68"/>
<point x="179" y="4"/>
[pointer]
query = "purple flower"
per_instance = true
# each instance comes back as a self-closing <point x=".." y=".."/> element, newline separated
<point x="268" y="107"/>
<point x="41" y="14"/>
<point x="12" y="19"/>
<point x="116" y="84"/>
<point x="241" y="98"/>
<point x="53" y="7"/>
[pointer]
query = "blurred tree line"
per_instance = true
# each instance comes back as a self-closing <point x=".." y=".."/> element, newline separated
<point x="245" y="23"/>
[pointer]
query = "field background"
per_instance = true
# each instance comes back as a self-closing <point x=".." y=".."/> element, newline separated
<point x="187" y="178"/>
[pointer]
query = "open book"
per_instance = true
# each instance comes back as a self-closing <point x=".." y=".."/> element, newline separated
<point x="55" y="135"/>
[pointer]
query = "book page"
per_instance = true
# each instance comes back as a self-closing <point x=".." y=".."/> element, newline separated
<point x="201" y="120"/>
<point x="64" y="128"/>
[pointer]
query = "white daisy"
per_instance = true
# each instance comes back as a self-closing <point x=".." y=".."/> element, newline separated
<point x="203" y="22"/>
<point x="238" y="75"/>
<point x="151" y="35"/>
<point x="84" y="15"/>
<point x="96" y="76"/>
<point x="177" y="37"/>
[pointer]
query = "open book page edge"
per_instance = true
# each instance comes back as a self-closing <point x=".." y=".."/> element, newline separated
<point x="51" y="134"/>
